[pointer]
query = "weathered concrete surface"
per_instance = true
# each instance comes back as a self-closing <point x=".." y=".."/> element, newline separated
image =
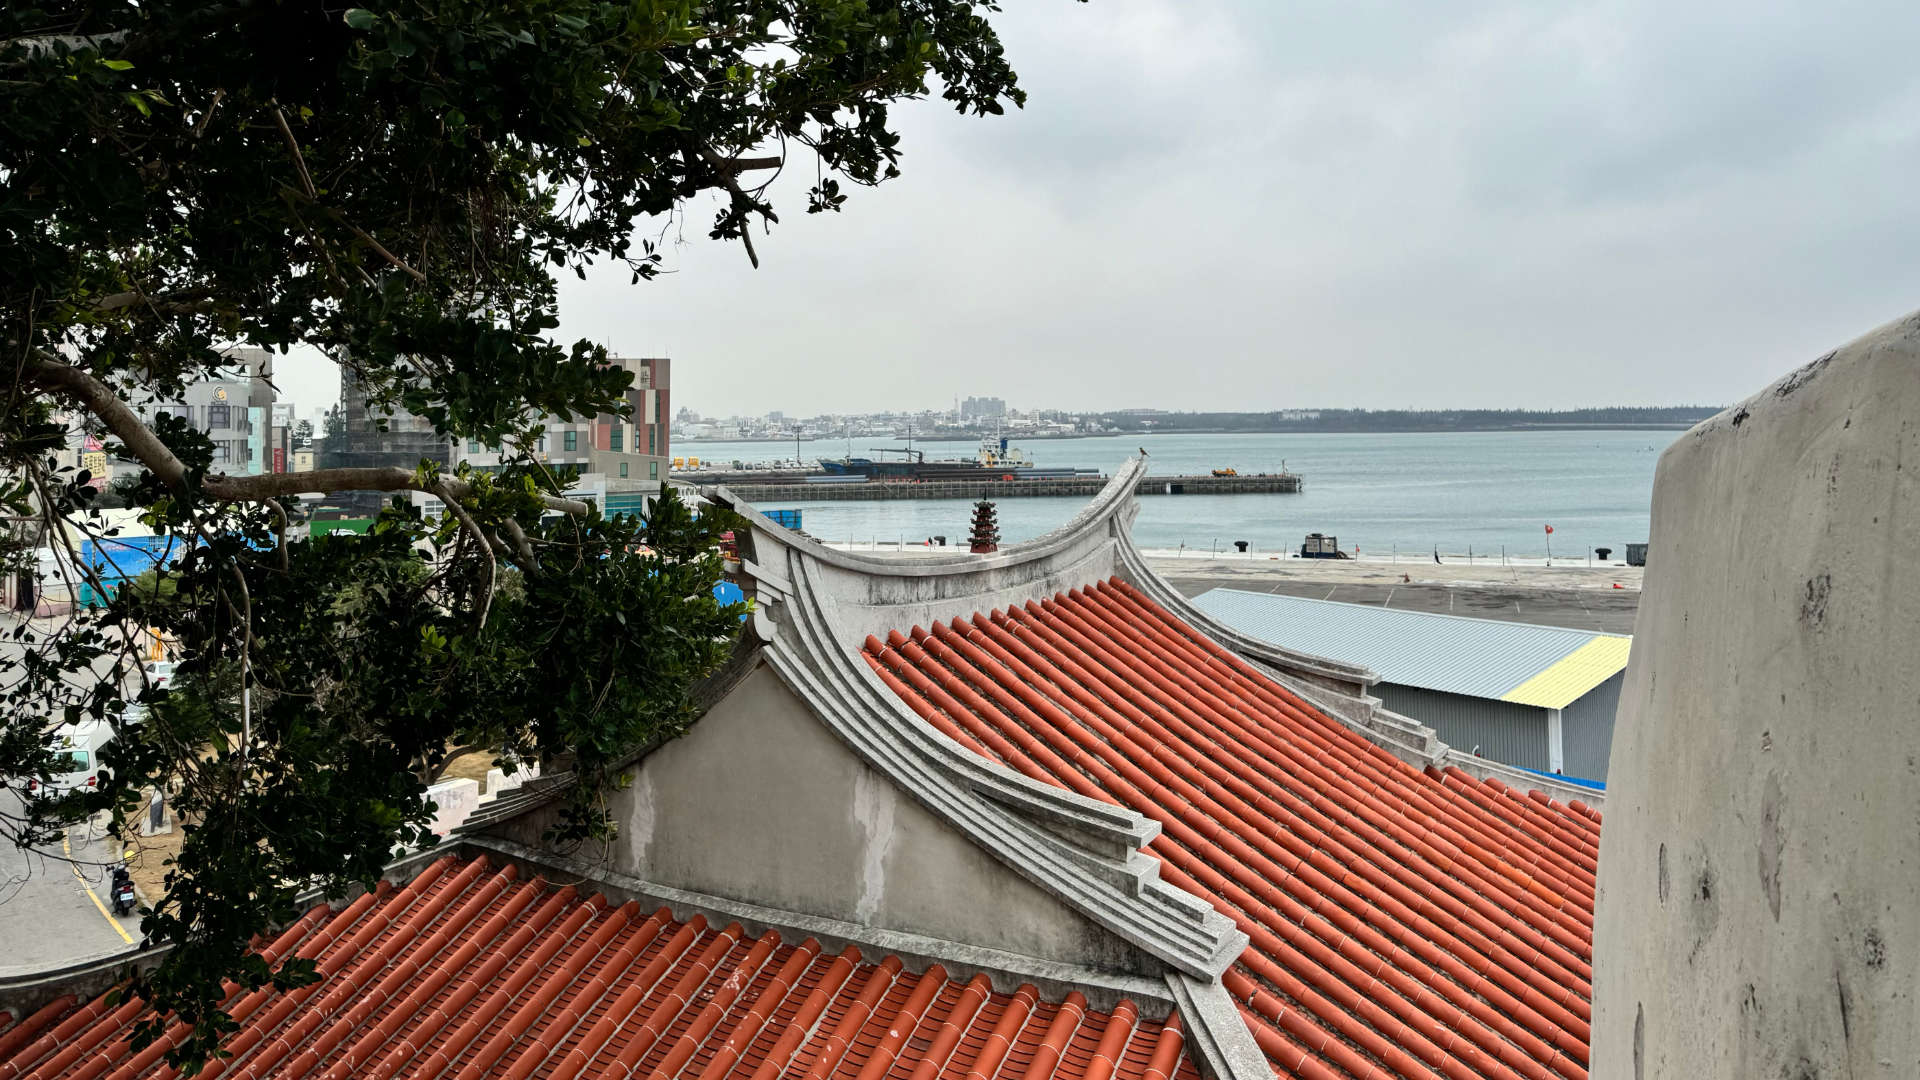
<point x="1759" y="907"/>
<point x="762" y="804"/>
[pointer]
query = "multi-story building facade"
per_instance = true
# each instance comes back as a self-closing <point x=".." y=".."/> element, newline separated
<point x="359" y="437"/>
<point x="630" y="452"/>
<point x="235" y="410"/>
<point x="983" y="408"/>
<point x="638" y="446"/>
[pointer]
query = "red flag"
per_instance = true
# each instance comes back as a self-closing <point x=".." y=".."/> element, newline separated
<point x="1549" y="530"/>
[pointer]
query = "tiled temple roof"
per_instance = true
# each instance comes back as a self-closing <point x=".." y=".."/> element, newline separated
<point x="467" y="973"/>
<point x="1402" y="922"/>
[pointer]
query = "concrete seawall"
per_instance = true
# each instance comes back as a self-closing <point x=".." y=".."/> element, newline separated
<point x="997" y="488"/>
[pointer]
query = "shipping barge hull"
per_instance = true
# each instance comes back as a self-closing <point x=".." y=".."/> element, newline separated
<point x="995" y="488"/>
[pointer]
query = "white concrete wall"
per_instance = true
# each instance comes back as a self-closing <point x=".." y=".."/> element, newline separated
<point x="1759" y="909"/>
<point x="762" y="804"/>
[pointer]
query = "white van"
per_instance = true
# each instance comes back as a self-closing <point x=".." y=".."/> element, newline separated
<point x="79" y="744"/>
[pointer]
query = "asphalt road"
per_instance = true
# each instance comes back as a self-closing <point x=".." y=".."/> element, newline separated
<point x="48" y="917"/>
<point x="1579" y="609"/>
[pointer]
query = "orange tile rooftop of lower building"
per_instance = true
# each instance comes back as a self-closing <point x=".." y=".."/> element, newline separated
<point x="1402" y="923"/>
<point x="466" y="973"/>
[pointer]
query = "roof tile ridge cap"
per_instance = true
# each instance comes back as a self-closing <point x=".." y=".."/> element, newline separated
<point x="1112" y="498"/>
<point x="1209" y="1025"/>
<point x="1211" y="941"/>
<point x="958" y="763"/>
<point x="1046" y="850"/>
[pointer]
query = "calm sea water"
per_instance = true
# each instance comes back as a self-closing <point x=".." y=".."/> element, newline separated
<point x="1409" y="492"/>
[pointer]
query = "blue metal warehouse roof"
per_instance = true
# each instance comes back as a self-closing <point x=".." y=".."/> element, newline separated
<point x="1544" y="666"/>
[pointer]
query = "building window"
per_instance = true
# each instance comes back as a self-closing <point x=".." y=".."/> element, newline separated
<point x="540" y="444"/>
<point x="221" y="453"/>
<point x="616" y="438"/>
<point x="653" y="440"/>
<point x="473" y="446"/>
<point x="219" y="417"/>
<point x="653" y="470"/>
<point x="623" y="470"/>
<point x="570" y="442"/>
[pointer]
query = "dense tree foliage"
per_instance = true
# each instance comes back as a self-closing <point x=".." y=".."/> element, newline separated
<point x="395" y="185"/>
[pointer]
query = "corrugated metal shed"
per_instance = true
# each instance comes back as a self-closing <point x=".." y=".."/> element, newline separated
<point x="1544" y="666"/>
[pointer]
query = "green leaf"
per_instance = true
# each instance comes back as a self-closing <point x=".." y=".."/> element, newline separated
<point x="359" y="18"/>
<point x="117" y="65"/>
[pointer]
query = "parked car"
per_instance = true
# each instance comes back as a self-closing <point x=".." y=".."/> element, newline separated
<point x="159" y="673"/>
<point x="78" y="746"/>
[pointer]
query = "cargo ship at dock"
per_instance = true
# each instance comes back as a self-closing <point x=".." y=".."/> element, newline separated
<point x="995" y="460"/>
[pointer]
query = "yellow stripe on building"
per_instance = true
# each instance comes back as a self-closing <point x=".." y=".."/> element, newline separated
<point x="1573" y="674"/>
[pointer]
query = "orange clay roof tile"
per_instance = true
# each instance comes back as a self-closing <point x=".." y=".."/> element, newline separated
<point x="468" y="972"/>
<point x="1402" y="923"/>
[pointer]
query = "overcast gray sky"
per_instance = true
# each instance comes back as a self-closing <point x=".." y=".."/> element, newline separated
<point x="1249" y="205"/>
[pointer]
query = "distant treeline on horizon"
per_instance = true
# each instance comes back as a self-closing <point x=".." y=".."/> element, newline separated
<point x="1146" y="420"/>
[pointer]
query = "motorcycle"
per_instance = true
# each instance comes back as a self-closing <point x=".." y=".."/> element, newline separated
<point x="122" y="892"/>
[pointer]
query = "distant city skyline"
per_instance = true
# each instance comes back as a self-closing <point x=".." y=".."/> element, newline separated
<point x="304" y="379"/>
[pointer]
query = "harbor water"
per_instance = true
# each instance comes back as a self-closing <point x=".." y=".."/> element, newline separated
<point x="1406" y="493"/>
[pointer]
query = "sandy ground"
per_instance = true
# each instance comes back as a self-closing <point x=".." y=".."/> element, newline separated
<point x="1602" y="598"/>
<point x="1407" y="570"/>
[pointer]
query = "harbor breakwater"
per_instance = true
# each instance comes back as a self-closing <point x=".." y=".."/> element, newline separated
<point x="1003" y="487"/>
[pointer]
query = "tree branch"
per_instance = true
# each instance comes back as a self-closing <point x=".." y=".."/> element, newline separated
<point x="530" y="563"/>
<point x="734" y="166"/>
<point x="487" y="543"/>
<point x="42" y="370"/>
<point x="371" y="478"/>
<point x="742" y="201"/>
<point x="367" y="238"/>
<point x="280" y="531"/>
<point x="293" y="144"/>
<point x="178" y="303"/>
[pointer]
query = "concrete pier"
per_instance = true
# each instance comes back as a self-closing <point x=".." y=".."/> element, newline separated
<point x="996" y="488"/>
